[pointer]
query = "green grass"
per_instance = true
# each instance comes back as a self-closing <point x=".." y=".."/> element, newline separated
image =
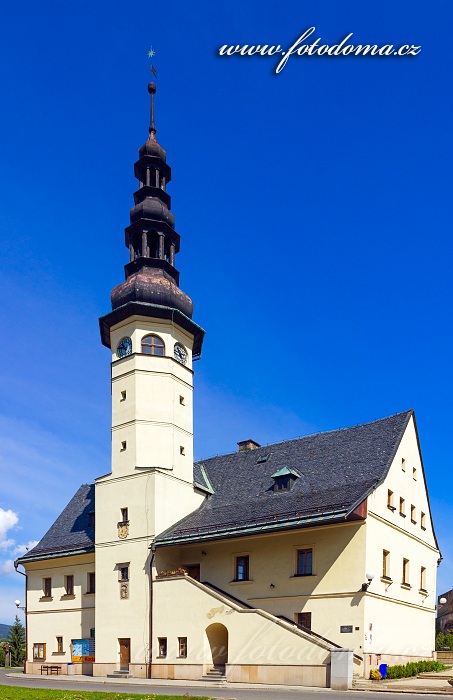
<point x="15" y="693"/>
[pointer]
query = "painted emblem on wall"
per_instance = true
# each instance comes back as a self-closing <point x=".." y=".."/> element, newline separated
<point x="123" y="530"/>
<point x="124" y="591"/>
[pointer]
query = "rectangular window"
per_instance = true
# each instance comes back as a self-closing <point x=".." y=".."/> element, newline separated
<point x="413" y="514"/>
<point x="124" y="572"/>
<point x="162" y="642"/>
<point x="182" y="647"/>
<point x="402" y="507"/>
<point x="304" y="620"/>
<point x="124" y="515"/>
<point x="69" y="584"/>
<point x="59" y="645"/>
<point x="423" y="578"/>
<point x="423" y="520"/>
<point x="385" y="564"/>
<point x="405" y="572"/>
<point x="181" y="401"/>
<point x="390" y="500"/>
<point x="39" y="651"/>
<point x="47" y="587"/>
<point x="242" y="568"/>
<point x="123" y="445"/>
<point x="123" y="396"/>
<point x="91" y="582"/>
<point x="304" y="562"/>
<point x="403" y="464"/>
<point x="414" y="474"/>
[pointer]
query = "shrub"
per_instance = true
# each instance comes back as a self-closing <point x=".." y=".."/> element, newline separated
<point x="413" y="668"/>
<point x="375" y="675"/>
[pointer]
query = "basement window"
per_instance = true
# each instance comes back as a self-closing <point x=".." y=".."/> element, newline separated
<point x="182" y="647"/>
<point x="162" y="642"/>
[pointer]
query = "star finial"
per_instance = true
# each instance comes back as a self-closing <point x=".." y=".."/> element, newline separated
<point x="151" y="53"/>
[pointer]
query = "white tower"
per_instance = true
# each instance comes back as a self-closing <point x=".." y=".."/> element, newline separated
<point x="153" y="342"/>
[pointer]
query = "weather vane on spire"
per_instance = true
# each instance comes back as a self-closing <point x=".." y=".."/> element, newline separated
<point x="151" y="54"/>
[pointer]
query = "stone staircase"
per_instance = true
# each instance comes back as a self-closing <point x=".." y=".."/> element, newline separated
<point x="119" y="674"/>
<point x="215" y="675"/>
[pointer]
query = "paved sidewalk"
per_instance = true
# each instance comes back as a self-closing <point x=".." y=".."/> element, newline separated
<point x="430" y="686"/>
<point x="162" y="682"/>
<point x="433" y="685"/>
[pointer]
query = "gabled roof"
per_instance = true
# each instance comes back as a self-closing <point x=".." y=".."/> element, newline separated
<point x="71" y="533"/>
<point x="338" y="469"/>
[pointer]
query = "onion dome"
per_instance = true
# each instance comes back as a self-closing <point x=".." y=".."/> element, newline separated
<point x="152" y="286"/>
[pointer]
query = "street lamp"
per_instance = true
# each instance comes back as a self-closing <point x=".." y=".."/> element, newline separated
<point x="18" y="605"/>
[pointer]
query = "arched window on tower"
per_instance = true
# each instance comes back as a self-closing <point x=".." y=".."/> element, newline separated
<point x="153" y="345"/>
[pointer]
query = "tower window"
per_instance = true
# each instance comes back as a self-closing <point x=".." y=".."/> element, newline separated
<point x="403" y="464"/>
<point x="153" y="345"/>
<point x="181" y="401"/>
<point x="405" y="581"/>
<point x="182" y="450"/>
<point x="124" y="515"/>
<point x="423" y="520"/>
<point x="123" y="445"/>
<point x="402" y="507"/>
<point x="123" y="396"/>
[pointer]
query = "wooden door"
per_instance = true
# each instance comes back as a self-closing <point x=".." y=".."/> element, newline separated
<point x="194" y="571"/>
<point x="125" y="653"/>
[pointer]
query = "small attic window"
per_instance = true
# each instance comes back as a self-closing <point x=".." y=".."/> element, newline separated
<point x="262" y="458"/>
<point x="284" y="479"/>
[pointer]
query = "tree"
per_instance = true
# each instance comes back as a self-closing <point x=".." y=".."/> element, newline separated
<point x="16" y="640"/>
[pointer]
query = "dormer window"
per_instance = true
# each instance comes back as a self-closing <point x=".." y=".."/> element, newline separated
<point x="284" y="479"/>
<point x="262" y="458"/>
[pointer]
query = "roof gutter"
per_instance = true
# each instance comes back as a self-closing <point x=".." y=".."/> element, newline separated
<point x="52" y="555"/>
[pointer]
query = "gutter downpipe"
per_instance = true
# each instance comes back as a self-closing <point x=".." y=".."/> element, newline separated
<point x="153" y="552"/>
<point x="16" y="564"/>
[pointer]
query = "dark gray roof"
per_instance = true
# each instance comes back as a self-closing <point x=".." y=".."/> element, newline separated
<point x="71" y="533"/>
<point x="338" y="469"/>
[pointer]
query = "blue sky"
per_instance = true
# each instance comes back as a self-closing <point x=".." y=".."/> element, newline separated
<point x="314" y="210"/>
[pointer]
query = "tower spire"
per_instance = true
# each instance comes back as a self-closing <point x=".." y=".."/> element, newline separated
<point x="152" y="126"/>
<point x="152" y="287"/>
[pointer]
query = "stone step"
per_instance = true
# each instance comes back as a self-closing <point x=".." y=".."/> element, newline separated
<point x="119" y="674"/>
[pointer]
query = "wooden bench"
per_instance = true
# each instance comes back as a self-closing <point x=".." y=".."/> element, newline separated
<point x="50" y="669"/>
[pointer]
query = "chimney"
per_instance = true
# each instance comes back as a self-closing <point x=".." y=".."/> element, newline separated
<point x="247" y="445"/>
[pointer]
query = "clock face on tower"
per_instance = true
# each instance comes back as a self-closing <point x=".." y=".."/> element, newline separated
<point x="180" y="353"/>
<point x="124" y="347"/>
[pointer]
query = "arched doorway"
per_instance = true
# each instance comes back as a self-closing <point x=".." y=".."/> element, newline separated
<point x="217" y="635"/>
